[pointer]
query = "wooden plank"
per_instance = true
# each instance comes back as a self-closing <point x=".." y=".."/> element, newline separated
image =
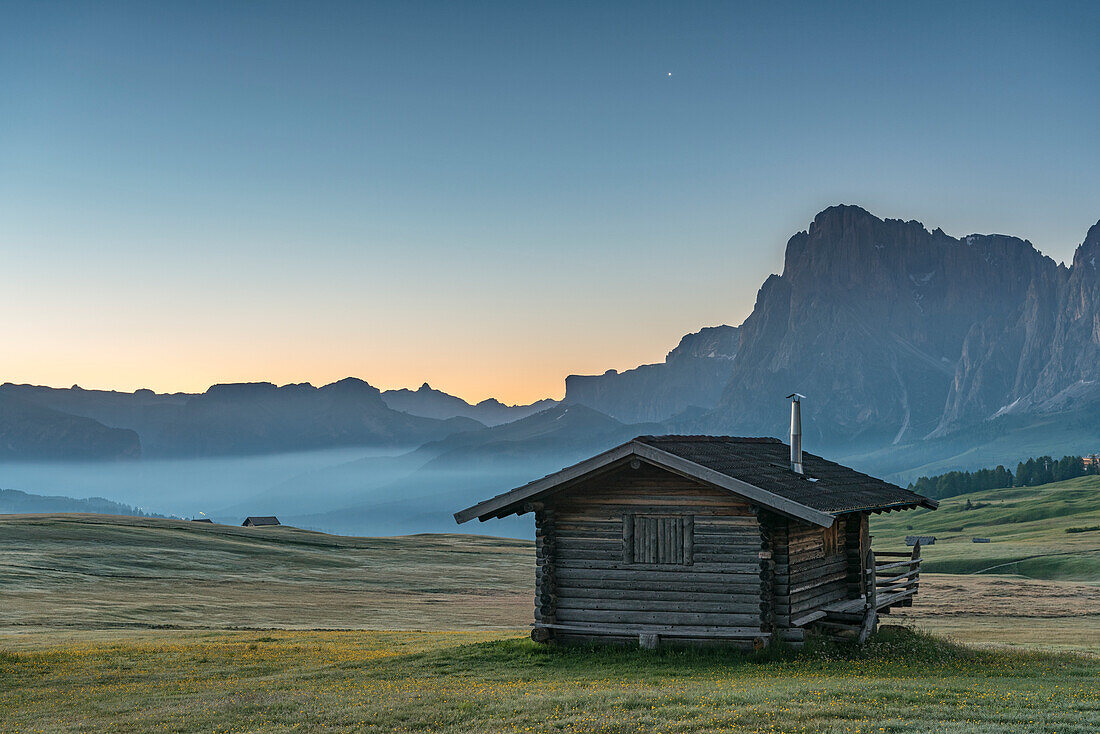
<point x="689" y="540"/>
<point x="821" y="581"/>
<point x="740" y="584"/>
<point x="664" y="630"/>
<point x="658" y="617"/>
<point x="681" y="502"/>
<point x="684" y="605"/>
<point x="818" y="596"/>
<point x="744" y="556"/>
<point x="747" y="540"/>
<point x="806" y="573"/>
<point x="615" y="564"/>
<point x="573" y="543"/>
<point x="911" y="576"/>
<point x="660" y="595"/>
<point x="628" y="538"/>
<point x="806" y="619"/>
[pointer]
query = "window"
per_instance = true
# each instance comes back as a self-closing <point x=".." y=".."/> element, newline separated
<point x="658" y="539"/>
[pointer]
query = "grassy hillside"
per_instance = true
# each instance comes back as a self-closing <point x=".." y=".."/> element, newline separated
<point x="467" y="682"/>
<point x="1027" y="527"/>
<point x="102" y="571"/>
<point x="81" y="592"/>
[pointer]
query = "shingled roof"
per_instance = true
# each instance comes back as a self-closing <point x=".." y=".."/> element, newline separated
<point x="756" y="468"/>
<point x="260" y="521"/>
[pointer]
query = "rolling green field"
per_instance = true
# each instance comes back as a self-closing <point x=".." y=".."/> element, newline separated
<point x="1027" y="527"/>
<point x="112" y="624"/>
<point x="477" y="682"/>
<point x="103" y="572"/>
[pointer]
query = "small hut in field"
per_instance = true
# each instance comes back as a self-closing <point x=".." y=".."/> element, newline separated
<point x="703" y="539"/>
<point x="259" y="522"/>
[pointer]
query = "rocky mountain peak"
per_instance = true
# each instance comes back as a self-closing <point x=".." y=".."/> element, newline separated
<point x="903" y="331"/>
<point x="1088" y="253"/>
<point x="353" y="386"/>
<point x="710" y="342"/>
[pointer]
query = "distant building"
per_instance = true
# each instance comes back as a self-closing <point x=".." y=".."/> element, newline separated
<point x="258" y="522"/>
<point x="1091" y="461"/>
<point x="201" y="519"/>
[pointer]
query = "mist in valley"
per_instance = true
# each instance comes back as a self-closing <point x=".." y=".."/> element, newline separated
<point x="377" y="492"/>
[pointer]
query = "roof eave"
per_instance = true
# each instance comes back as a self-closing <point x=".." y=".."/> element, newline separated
<point x="491" y="507"/>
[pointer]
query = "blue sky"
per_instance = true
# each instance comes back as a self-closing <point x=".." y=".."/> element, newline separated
<point x="491" y="196"/>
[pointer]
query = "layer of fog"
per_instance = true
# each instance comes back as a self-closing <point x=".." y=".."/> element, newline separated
<point x="346" y="491"/>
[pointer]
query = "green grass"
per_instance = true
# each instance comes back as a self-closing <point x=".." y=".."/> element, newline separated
<point x="1027" y="526"/>
<point x="101" y="572"/>
<point x="467" y="682"/>
<point x="123" y="625"/>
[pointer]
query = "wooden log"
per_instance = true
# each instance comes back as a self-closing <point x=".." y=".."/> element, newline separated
<point x="628" y="538"/>
<point x="870" y="621"/>
<point x="827" y="597"/>
<point x="683" y="605"/>
<point x="817" y="582"/>
<point x="659" y="617"/>
<point x="657" y="595"/>
<point x="587" y="587"/>
<point x="571" y="563"/>
<point x="686" y="631"/>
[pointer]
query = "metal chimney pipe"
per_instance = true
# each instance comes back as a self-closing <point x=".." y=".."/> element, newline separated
<point x="796" y="432"/>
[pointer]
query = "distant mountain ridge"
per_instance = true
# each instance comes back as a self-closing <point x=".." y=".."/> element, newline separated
<point x="912" y="346"/>
<point x="32" y="432"/>
<point x="693" y="375"/>
<point x="430" y="403"/>
<point x="228" y="419"/>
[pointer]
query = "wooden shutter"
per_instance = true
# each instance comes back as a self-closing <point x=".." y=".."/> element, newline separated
<point x="658" y="539"/>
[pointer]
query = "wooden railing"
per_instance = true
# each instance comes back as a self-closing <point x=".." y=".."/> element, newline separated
<point x="894" y="577"/>
<point x="891" y="581"/>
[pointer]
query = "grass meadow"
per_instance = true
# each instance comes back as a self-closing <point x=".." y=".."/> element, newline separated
<point x="480" y="681"/>
<point x="139" y="625"/>
<point x="1047" y="532"/>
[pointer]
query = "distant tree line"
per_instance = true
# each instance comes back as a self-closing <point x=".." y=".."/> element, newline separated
<point x="14" y="502"/>
<point x="1030" y="473"/>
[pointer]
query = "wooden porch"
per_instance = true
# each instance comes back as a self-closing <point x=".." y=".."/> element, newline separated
<point x="891" y="579"/>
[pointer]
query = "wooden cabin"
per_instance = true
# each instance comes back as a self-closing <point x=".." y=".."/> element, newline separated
<point x="701" y="539"/>
<point x="258" y="522"/>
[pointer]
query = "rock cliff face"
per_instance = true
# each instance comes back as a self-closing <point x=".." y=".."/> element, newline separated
<point x="692" y="376"/>
<point x="1072" y="372"/>
<point x="897" y="333"/>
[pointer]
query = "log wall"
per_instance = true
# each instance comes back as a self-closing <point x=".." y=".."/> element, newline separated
<point x="809" y="574"/>
<point x="598" y="576"/>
